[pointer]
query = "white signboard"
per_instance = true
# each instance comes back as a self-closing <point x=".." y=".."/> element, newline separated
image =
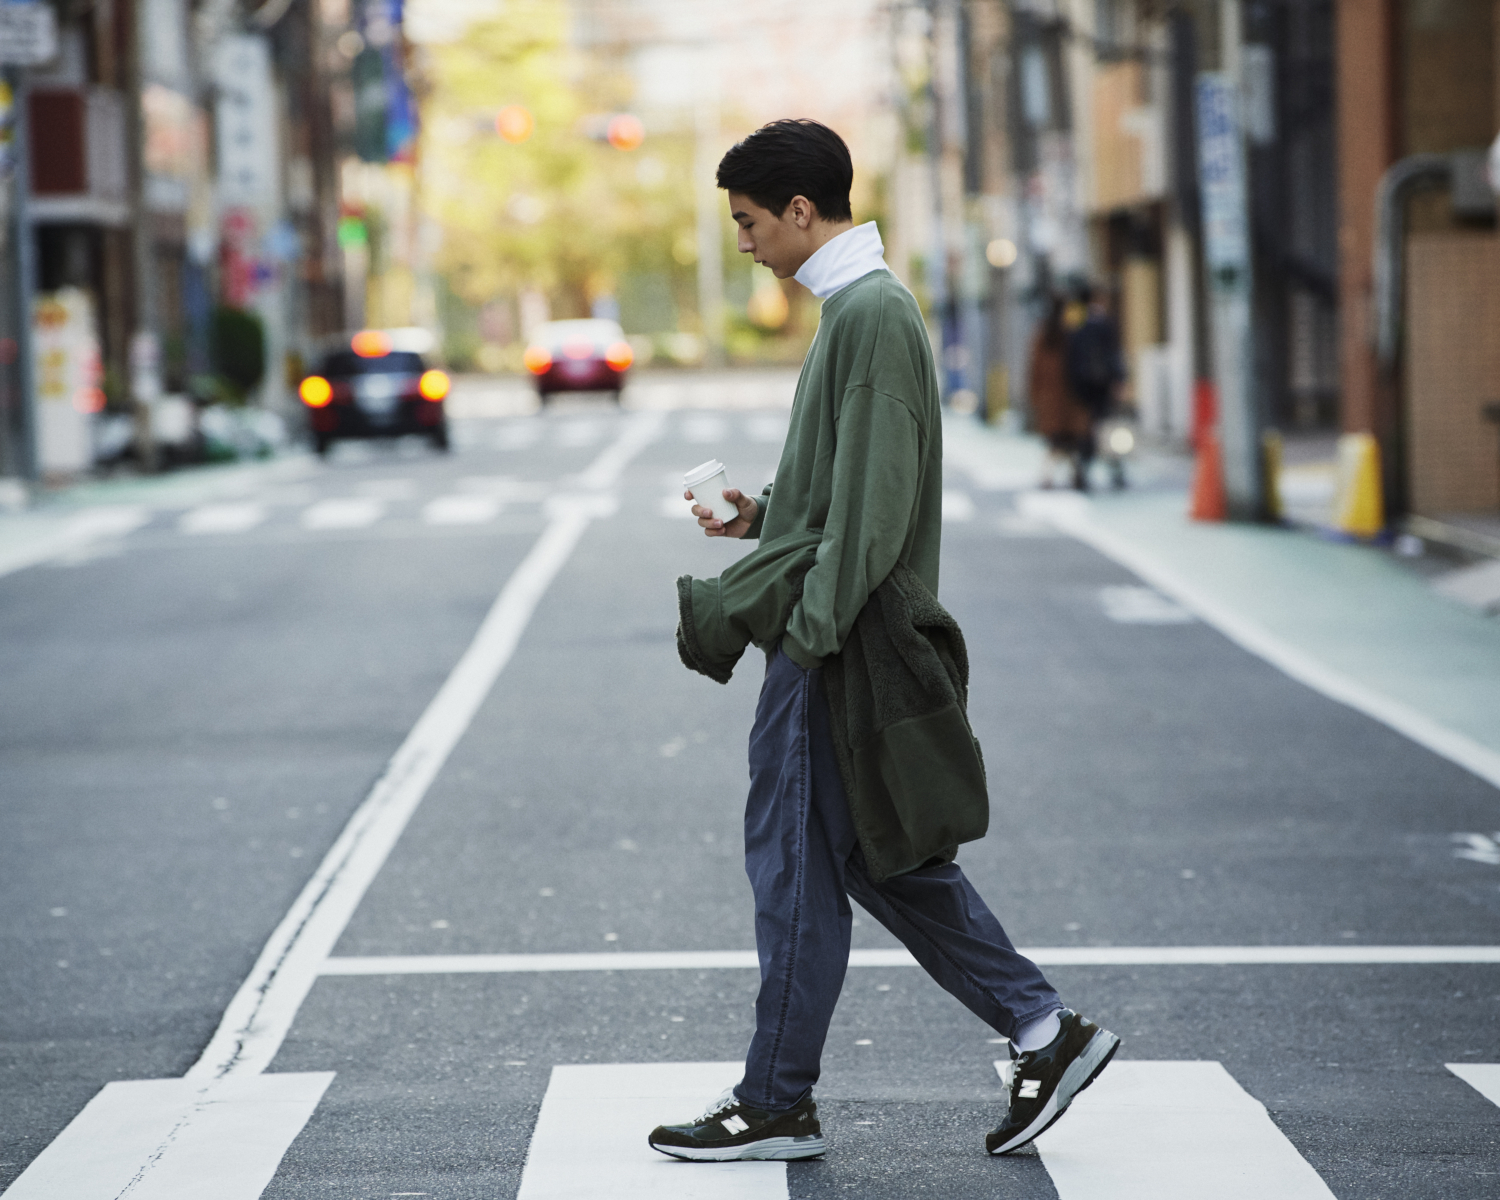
<point x="1221" y="176"/>
<point x="245" y="119"/>
<point x="28" y="34"/>
<point x="68" y="374"/>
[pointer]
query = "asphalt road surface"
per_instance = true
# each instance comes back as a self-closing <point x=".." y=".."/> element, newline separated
<point x="191" y="714"/>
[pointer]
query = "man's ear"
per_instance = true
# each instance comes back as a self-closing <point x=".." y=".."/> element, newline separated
<point x="803" y="212"/>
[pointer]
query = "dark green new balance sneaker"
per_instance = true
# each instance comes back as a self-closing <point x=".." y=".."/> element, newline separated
<point x="1046" y="1080"/>
<point x="731" y="1131"/>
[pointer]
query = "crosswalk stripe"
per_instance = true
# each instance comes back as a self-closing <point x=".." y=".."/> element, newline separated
<point x="166" y="1139"/>
<point x="592" y="1128"/>
<point x="957" y="506"/>
<point x="349" y="512"/>
<point x="1173" y="1131"/>
<point x="461" y="510"/>
<point x="1484" y="1078"/>
<point x="222" y="518"/>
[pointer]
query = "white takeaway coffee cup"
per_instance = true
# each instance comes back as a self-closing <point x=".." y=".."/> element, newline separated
<point x="707" y="483"/>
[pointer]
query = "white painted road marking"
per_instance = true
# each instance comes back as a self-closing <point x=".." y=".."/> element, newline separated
<point x="590" y="1137"/>
<point x="1173" y="1131"/>
<point x="222" y="518"/>
<point x="704" y="430"/>
<point x="343" y="513"/>
<point x="461" y="510"/>
<point x="175" y="1139"/>
<point x="957" y="506"/>
<point x="1484" y="1078"/>
<point x="225" y="1126"/>
<point x="1047" y="956"/>
<point x="262" y="1011"/>
<point x="1130" y="605"/>
<point x="1070" y="513"/>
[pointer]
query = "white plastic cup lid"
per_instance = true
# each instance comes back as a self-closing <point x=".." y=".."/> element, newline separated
<point x="702" y="474"/>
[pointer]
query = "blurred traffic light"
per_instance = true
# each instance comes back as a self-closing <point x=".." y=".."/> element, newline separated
<point x="514" y="123"/>
<point x="625" y="132"/>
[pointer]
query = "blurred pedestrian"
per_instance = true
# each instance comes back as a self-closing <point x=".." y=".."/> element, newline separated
<point x="1055" y="412"/>
<point x="864" y="772"/>
<point x="1095" y="372"/>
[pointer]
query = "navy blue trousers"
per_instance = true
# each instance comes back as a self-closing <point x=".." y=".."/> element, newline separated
<point x="804" y="864"/>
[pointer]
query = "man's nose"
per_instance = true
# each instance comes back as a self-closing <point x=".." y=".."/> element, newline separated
<point x="745" y="244"/>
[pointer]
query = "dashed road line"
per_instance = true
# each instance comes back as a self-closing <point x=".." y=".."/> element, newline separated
<point x="222" y="518"/>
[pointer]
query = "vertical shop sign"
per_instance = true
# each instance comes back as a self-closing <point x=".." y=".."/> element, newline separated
<point x="245" y="123"/>
<point x="68" y="374"/>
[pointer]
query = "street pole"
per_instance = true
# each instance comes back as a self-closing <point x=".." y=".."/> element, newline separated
<point x="145" y="345"/>
<point x="23" y="282"/>
<point x="710" y="240"/>
<point x="1226" y="255"/>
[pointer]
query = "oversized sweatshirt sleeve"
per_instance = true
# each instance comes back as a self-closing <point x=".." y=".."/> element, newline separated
<point x="876" y="476"/>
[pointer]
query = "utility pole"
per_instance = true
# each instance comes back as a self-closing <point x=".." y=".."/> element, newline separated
<point x="1226" y="257"/>
<point x="145" y="344"/>
<point x="710" y="239"/>
<point x="28" y="37"/>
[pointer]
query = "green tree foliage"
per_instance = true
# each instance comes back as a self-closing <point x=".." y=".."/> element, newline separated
<point x="563" y="212"/>
<point x="238" y="349"/>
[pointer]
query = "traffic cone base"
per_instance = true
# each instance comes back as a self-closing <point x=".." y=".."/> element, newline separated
<point x="1209" y="502"/>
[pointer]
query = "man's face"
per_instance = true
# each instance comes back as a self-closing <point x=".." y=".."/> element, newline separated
<point x="780" y="243"/>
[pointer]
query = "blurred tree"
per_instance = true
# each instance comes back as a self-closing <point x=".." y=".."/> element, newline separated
<point x="561" y="211"/>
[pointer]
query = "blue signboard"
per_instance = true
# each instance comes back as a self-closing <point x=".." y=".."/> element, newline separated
<point x="1221" y="179"/>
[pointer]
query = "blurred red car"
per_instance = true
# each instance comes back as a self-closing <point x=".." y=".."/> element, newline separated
<point x="370" y="389"/>
<point x="579" y="356"/>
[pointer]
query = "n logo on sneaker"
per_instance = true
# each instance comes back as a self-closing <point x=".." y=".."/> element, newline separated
<point x="735" y="1124"/>
<point x="1029" y="1089"/>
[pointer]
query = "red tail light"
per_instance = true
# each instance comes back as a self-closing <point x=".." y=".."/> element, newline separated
<point x="537" y="360"/>
<point x="619" y="356"/>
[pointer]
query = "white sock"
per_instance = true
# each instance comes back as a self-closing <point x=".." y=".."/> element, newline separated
<point x="1038" y="1032"/>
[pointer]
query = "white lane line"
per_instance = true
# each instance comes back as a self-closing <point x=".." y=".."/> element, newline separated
<point x="73" y="536"/>
<point x="461" y="510"/>
<point x="1127" y="605"/>
<point x="353" y="512"/>
<point x="572" y="434"/>
<point x="1173" y="1131"/>
<point x="1047" y="956"/>
<point x="262" y="1011"/>
<point x="1073" y="518"/>
<point x="767" y="429"/>
<point x="592" y="1128"/>
<point x="222" y="518"/>
<point x="518" y="436"/>
<point x="957" y="506"/>
<point x="704" y="430"/>
<point x="175" y="1139"/>
<point x="640" y="430"/>
<point x="1484" y="1078"/>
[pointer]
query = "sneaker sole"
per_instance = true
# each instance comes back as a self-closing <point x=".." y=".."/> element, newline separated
<point x="1085" y="1067"/>
<point x="778" y="1149"/>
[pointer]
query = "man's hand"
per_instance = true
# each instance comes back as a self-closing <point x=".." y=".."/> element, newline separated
<point x="713" y="527"/>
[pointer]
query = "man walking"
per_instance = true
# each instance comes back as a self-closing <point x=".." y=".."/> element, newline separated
<point x="863" y="774"/>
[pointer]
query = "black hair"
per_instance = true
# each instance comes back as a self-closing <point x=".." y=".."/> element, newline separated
<point x="791" y="158"/>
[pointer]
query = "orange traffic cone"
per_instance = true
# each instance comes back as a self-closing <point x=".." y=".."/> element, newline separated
<point x="1208" y="481"/>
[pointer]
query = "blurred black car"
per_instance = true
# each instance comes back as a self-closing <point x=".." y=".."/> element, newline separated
<point x="370" y="390"/>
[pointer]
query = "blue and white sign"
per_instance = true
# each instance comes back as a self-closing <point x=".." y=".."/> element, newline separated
<point x="1221" y="179"/>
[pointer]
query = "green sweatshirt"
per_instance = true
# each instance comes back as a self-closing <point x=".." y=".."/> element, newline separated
<point x="863" y="461"/>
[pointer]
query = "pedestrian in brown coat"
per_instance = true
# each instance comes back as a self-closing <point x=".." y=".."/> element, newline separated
<point x="1055" y="411"/>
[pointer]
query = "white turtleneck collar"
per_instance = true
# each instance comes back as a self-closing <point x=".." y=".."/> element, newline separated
<point x="839" y="261"/>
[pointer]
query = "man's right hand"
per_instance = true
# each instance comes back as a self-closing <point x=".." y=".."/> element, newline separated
<point x="736" y="526"/>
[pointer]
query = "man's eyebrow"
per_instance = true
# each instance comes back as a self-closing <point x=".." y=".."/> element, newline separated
<point x="741" y="213"/>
